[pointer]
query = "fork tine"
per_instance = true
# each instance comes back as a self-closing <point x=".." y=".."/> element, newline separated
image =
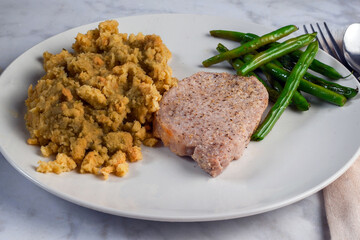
<point x="328" y="48"/>
<point x="306" y="31"/>
<point x="317" y="38"/>
<point x="335" y="45"/>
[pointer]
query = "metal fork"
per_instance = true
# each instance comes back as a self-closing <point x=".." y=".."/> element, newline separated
<point x="335" y="50"/>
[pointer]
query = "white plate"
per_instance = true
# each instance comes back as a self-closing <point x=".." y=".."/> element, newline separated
<point x="304" y="152"/>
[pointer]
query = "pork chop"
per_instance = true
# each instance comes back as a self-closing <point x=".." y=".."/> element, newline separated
<point x="211" y="117"/>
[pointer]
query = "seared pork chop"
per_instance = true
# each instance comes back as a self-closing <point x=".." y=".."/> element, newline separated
<point x="211" y="117"/>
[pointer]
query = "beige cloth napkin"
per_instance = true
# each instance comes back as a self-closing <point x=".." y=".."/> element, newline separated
<point x="342" y="205"/>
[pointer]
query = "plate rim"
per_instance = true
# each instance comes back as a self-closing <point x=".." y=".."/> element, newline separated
<point x="161" y="217"/>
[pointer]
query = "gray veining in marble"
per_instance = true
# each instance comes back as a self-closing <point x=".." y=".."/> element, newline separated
<point x="28" y="212"/>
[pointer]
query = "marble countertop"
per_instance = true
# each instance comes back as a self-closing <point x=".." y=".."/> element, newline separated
<point x="29" y="212"/>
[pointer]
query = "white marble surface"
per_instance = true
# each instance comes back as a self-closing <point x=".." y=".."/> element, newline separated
<point x="28" y="212"/>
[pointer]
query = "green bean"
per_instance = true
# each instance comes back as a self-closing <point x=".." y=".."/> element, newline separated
<point x="307" y="86"/>
<point x="251" y="45"/>
<point x="287" y="62"/>
<point x="230" y="35"/>
<point x="348" y="92"/>
<point x="298" y="100"/>
<point x="276" y="85"/>
<point x="273" y="94"/>
<point x="276" y="52"/>
<point x="290" y="87"/>
<point x="319" y="67"/>
<point x="316" y="65"/>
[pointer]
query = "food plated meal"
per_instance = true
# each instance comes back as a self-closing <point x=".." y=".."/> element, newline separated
<point x="95" y="107"/>
<point x="288" y="165"/>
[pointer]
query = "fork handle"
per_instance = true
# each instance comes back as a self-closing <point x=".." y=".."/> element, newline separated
<point x="356" y="75"/>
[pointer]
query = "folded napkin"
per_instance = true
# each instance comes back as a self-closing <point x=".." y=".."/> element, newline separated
<point x="342" y="204"/>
